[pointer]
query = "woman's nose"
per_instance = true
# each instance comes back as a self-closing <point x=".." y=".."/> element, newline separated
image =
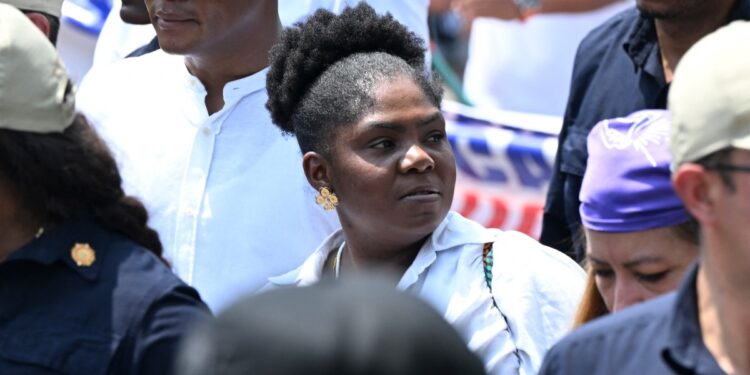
<point x="417" y="160"/>
<point x="627" y="293"/>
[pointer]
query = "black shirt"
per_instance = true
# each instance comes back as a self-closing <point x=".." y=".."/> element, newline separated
<point x="661" y="336"/>
<point x="617" y="71"/>
<point x="122" y="314"/>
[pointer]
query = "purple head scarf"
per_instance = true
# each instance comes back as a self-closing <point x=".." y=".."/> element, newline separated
<point x="627" y="185"/>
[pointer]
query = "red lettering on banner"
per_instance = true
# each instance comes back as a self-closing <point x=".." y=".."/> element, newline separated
<point x="470" y="204"/>
<point x="499" y="213"/>
<point x="530" y="217"/>
<point x="499" y="209"/>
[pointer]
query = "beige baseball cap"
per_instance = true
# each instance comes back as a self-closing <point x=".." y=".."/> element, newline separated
<point x="34" y="93"/>
<point x="710" y="95"/>
<point x="51" y="7"/>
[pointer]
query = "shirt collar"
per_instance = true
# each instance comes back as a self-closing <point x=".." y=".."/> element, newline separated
<point x="233" y="89"/>
<point x="193" y="105"/>
<point x="453" y="231"/>
<point x="685" y="347"/>
<point x="311" y="271"/>
<point x="641" y="41"/>
<point x="56" y="245"/>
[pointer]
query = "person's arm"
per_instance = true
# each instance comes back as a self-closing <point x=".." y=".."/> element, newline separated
<point x="573" y="6"/>
<point x="507" y="10"/>
<point x="161" y="330"/>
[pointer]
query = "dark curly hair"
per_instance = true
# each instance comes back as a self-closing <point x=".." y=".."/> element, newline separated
<point x="72" y="175"/>
<point x="324" y="71"/>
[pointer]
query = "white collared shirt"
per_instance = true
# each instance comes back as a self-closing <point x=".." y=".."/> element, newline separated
<point x="226" y="192"/>
<point x="536" y="288"/>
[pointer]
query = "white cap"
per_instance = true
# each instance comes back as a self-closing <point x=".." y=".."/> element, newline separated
<point x="710" y="95"/>
<point x="34" y="92"/>
<point x="51" y="7"/>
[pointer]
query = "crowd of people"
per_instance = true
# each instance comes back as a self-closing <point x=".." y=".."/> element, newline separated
<point x="287" y="169"/>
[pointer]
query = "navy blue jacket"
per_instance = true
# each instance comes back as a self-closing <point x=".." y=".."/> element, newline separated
<point x="123" y="314"/>
<point x="617" y="71"/>
<point x="661" y="336"/>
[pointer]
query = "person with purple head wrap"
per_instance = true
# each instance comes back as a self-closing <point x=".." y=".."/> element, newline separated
<point x="640" y="240"/>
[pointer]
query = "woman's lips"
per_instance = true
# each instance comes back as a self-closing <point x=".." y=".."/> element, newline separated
<point x="168" y="21"/>
<point x="171" y="24"/>
<point x="422" y="195"/>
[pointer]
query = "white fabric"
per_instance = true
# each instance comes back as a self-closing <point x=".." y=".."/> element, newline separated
<point x="536" y="288"/>
<point x="118" y="39"/>
<point x="226" y="192"/>
<point x="527" y="66"/>
<point x="411" y="13"/>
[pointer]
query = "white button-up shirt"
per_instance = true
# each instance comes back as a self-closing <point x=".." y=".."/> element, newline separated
<point x="226" y="192"/>
<point x="536" y="288"/>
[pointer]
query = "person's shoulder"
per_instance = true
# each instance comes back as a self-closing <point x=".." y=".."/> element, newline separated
<point x="521" y="249"/>
<point x="614" y="338"/>
<point x="649" y="315"/>
<point x="611" y="33"/>
<point x="129" y="72"/>
<point x="135" y="264"/>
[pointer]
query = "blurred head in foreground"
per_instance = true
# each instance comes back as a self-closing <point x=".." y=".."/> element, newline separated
<point x="359" y="327"/>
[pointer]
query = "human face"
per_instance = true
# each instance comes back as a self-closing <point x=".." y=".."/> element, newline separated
<point x="194" y="26"/>
<point x="633" y="267"/>
<point x="670" y="9"/>
<point x="135" y="12"/>
<point x="394" y="170"/>
<point x="732" y="207"/>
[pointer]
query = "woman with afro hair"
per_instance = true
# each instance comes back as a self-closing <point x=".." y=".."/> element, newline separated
<point x="355" y="92"/>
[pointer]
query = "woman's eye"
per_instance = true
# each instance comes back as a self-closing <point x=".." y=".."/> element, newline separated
<point x="652" y="277"/>
<point x="383" y="143"/>
<point x="603" y="273"/>
<point x="435" y="137"/>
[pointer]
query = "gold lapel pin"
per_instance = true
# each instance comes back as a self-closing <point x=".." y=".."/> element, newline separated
<point x="83" y="255"/>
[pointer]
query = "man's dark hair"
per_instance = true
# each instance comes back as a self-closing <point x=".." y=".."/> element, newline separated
<point x="716" y="159"/>
<point x="72" y="175"/>
<point x="324" y="71"/>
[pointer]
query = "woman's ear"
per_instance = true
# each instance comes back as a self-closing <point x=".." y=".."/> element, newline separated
<point x="692" y="184"/>
<point x="316" y="170"/>
<point x="41" y="22"/>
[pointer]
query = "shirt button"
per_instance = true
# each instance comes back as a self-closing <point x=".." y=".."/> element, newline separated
<point x="206" y="132"/>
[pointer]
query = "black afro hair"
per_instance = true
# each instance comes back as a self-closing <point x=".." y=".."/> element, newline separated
<point x="324" y="70"/>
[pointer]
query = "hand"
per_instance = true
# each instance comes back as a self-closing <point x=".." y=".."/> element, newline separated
<point x="471" y="9"/>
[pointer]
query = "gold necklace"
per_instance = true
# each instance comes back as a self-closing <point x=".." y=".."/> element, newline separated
<point x="337" y="261"/>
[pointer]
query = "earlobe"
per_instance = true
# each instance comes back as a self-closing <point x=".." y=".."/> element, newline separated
<point x="690" y="182"/>
<point x="316" y="170"/>
<point x="41" y="22"/>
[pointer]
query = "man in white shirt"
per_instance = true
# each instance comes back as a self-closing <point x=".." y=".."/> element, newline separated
<point x="189" y="128"/>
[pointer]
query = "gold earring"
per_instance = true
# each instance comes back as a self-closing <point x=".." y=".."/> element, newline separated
<point x="327" y="199"/>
